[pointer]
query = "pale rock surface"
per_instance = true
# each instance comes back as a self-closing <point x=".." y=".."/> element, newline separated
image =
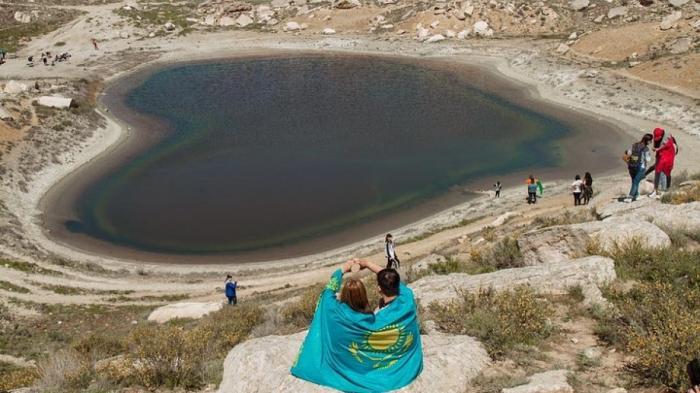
<point x="547" y="382"/>
<point x="669" y="21"/>
<point x="681" y="45"/>
<point x="503" y="218"/>
<point x="685" y="217"/>
<point x="462" y="35"/>
<point x="279" y="3"/>
<point x="4" y="114"/>
<point x="189" y="310"/>
<point x="422" y="33"/>
<point x="578" y="5"/>
<point x="588" y="272"/>
<point x="562" y="49"/>
<point x="678" y="3"/>
<point x="328" y="31"/>
<point x="14" y="87"/>
<point x="226" y="21"/>
<point x="22" y="17"/>
<point x="620" y="230"/>
<point x="292" y="26"/>
<point x="262" y="365"/>
<point x="347" y="4"/>
<point x="435" y="38"/>
<point x="55" y="101"/>
<point x="553" y="244"/>
<point x="481" y="28"/>
<point x="169" y="26"/>
<point x="244" y="20"/>
<point x="617" y="12"/>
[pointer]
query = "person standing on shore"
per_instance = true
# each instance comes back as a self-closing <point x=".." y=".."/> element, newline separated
<point x="588" y="188"/>
<point x="497" y="187"/>
<point x="392" y="260"/>
<point x="231" y="290"/>
<point x="637" y="157"/>
<point x="577" y="188"/>
<point x="531" y="190"/>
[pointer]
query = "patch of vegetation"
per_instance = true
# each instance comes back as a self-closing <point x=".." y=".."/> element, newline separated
<point x="658" y="320"/>
<point x="13" y="377"/>
<point x="678" y="194"/>
<point x="299" y="313"/>
<point x="502" y="321"/>
<point x="8" y="286"/>
<point x="567" y="218"/>
<point x="14" y="35"/>
<point x="59" y="44"/>
<point x="496" y="383"/>
<point x="149" y="298"/>
<point x="158" y="14"/>
<point x="503" y="255"/>
<point x="28" y="267"/>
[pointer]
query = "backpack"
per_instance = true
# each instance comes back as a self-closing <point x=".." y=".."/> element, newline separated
<point x="634" y="159"/>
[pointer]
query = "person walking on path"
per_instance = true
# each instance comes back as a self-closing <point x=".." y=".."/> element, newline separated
<point x="666" y="148"/>
<point x="577" y="188"/>
<point x="231" y="290"/>
<point x="497" y="187"/>
<point x="531" y="190"/>
<point x="390" y="253"/>
<point x="588" y="188"/>
<point x="637" y="158"/>
<point x="94" y="44"/>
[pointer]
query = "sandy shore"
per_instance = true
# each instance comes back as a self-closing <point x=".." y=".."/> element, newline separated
<point x="559" y="84"/>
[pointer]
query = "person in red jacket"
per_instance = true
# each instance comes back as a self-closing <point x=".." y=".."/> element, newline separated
<point x="666" y="149"/>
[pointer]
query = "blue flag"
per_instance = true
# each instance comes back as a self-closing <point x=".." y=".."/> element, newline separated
<point x="355" y="352"/>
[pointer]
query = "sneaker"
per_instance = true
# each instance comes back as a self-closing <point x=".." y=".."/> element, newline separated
<point x="627" y="200"/>
<point x="653" y="194"/>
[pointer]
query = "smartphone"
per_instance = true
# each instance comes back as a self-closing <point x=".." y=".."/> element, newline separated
<point x="694" y="372"/>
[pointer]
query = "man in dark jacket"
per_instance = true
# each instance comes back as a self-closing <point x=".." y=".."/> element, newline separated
<point x="231" y="290"/>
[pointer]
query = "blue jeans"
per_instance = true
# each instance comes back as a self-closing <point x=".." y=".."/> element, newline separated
<point x="232" y="300"/>
<point x="637" y="175"/>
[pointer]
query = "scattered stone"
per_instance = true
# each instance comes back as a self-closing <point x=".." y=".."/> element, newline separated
<point x="226" y="21"/>
<point x="554" y="278"/>
<point x="463" y="34"/>
<point x="262" y="365"/>
<point x="244" y="20"/>
<point x="579" y="5"/>
<point x="562" y="49"/>
<point x="669" y="21"/>
<point x="347" y="4"/>
<point x="554" y="381"/>
<point x="573" y="36"/>
<point x="14" y="87"/>
<point x="55" y="102"/>
<point x="169" y="26"/>
<point x="592" y="353"/>
<point x="422" y="33"/>
<point x="328" y="31"/>
<point x="481" y="28"/>
<point x="279" y="3"/>
<point x="123" y="34"/>
<point x="190" y="310"/>
<point x="681" y="45"/>
<point x="599" y="19"/>
<point x="450" y="34"/>
<point x="617" y="12"/>
<point x="678" y="3"/>
<point x="435" y="24"/>
<point x="292" y="26"/>
<point x="468" y="10"/>
<point x="4" y="114"/>
<point x="459" y="14"/>
<point x="23" y="17"/>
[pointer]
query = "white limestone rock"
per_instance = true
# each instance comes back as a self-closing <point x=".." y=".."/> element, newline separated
<point x="261" y="365"/>
<point x="328" y="31"/>
<point x="4" y="114"/>
<point x="22" y="17"/>
<point x="554" y="381"/>
<point x="279" y="3"/>
<point x="562" y="49"/>
<point x="435" y="38"/>
<point x="189" y="310"/>
<point x="292" y="26"/>
<point x="617" y="12"/>
<point x="244" y="20"/>
<point x="552" y="244"/>
<point x="556" y="278"/>
<point x="678" y="3"/>
<point x="14" y="87"/>
<point x="55" y="102"/>
<point x="579" y="5"/>
<point x="462" y="35"/>
<point x="669" y="21"/>
<point x="685" y="217"/>
<point x="482" y="29"/>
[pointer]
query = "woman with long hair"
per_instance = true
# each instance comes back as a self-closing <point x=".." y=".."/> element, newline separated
<point x="354" y="295"/>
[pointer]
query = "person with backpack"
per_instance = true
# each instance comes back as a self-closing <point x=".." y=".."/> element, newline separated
<point x="637" y="158"/>
<point x="577" y="189"/>
<point x="231" y="290"/>
<point x="666" y="148"/>
<point x="531" y="189"/>
<point x="390" y="253"/>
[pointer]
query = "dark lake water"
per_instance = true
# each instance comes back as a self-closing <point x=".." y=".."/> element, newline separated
<point x="269" y="152"/>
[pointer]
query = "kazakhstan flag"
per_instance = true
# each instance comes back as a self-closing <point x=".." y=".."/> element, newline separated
<point x="355" y="352"/>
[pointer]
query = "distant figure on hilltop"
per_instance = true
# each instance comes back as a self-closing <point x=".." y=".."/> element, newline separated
<point x="588" y="188"/>
<point x="231" y="290"/>
<point x="637" y="158"/>
<point x="497" y="187"/>
<point x="577" y="189"/>
<point x="390" y="253"/>
<point x="531" y="189"/>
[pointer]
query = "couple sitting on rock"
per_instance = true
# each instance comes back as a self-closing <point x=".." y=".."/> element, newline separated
<point x="351" y="348"/>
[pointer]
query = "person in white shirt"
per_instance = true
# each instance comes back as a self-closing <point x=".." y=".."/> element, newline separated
<point x="390" y="253"/>
<point x="577" y="188"/>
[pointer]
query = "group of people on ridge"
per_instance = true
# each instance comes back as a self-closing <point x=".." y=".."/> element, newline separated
<point x="582" y="189"/>
<point x="638" y="158"/>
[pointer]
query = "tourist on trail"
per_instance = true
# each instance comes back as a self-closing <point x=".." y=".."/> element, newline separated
<point x="390" y="253"/>
<point x="94" y="44"/>
<point x="531" y="190"/>
<point x="231" y="290"/>
<point x="588" y="188"/>
<point x="497" y="187"/>
<point x="637" y="158"/>
<point x="351" y="349"/>
<point x="577" y="188"/>
<point x="666" y="148"/>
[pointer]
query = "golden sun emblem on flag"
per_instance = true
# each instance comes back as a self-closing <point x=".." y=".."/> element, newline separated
<point x="384" y="347"/>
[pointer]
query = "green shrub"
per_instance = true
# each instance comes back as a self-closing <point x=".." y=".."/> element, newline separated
<point x="633" y="260"/>
<point x="502" y="255"/>
<point x="14" y="378"/>
<point x="228" y="327"/>
<point x="567" y="218"/>
<point x="299" y="313"/>
<point x="501" y="320"/>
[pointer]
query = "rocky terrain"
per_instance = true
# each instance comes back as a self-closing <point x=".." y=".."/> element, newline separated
<point x="71" y="321"/>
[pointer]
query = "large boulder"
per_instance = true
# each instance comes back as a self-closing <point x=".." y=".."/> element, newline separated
<point x="55" y="102"/>
<point x="14" y="87"/>
<point x="618" y="230"/>
<point x="552" y="244"/>
<point x="262" y="365"/>
<point x="557" y="278"/>
<point x="685" y="217"/>
<point x="183" y="310"/>
<point x="554" y="381"/>
<point x="22" y="17"/>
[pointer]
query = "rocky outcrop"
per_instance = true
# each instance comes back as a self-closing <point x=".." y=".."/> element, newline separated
<point x="55" y="102"/>
<point x="425" y="263"/>
<point x="618" y="230"/>
<point x="547" y="382"/>
<point x="183" y="310"/>
<point x="262" y="365"/>
<point x="680" y="217"/>
<point x="553" y="244"/>
<point x="558" y="277"/>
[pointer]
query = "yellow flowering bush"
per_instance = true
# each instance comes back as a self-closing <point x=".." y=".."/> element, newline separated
<point x="17" y="378"/>
<point x="501" y="320"/>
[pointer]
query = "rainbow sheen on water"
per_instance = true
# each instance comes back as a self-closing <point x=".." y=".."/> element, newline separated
<point x="271" y="152"/>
